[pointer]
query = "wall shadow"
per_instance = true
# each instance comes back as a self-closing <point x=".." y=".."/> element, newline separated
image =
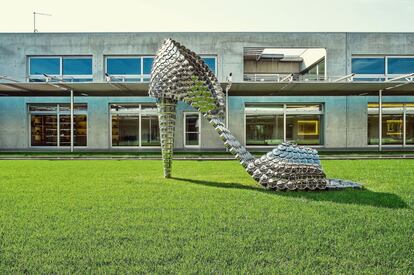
<point x="348" y="196"/>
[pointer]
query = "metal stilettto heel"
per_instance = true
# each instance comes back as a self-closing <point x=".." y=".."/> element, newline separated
<point x="178" y="74"/>
<point x="166" y="116"/>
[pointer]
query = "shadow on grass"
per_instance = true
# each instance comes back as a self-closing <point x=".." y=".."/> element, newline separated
<point x="348" y="196"/>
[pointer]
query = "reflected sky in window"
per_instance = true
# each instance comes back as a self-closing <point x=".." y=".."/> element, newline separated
<point x="400" y="65"/>
<point x="211" y="63"/>
<point x="77" y="66"/>
<point x="44" y="65"/>
<point x="368" y="65"/>
<point x="123" y="66"/>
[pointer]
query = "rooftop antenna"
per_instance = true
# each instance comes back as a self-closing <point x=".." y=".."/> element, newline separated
<point x="34" y="19"/>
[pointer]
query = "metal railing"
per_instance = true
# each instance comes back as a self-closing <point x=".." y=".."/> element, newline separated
<point x="282" y="77"/>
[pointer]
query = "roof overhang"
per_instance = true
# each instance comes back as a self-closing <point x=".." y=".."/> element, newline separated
<point x="237" y="89"/>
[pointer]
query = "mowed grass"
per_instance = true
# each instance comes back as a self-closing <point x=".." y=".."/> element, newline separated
<point x="123" y="216"/>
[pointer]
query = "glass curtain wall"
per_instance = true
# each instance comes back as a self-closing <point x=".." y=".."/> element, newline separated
<point x="134" y="125"/>
<point x="50" y="125"/>
<point x="397" y="124"/>
<point x="269" y="124"/>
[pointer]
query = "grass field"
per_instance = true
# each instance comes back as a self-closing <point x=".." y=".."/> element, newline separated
<point x="122" y="216"/>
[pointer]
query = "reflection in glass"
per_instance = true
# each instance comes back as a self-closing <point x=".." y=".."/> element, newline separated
<point x="211" y="63"/>
<point x="147" y="63"/>
<point x="409" y="130"/>
<point x="373" y="138"/>
<point x="400" y="65"/>
<point x="264" y="129"/>
<point x="192" y="129"/>
<point x="362" y="65"/>
<point x="77" y="66"/>
<point x="79" y="130"/>
<point x="44" y="65"/>
<point x="123" y="66"/>
<point x="150" y="134"/>
<point x="303" y="129"/>
<point x="43" y="108"/>
<point x="392" y="129"/>
<point x="44" y="130"/>
<point x="125" y="130"/>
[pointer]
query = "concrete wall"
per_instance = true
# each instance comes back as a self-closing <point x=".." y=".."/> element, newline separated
<point x="345" y="118"/>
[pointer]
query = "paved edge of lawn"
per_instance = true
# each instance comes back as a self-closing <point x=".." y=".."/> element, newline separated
<point x="83" y="157"/>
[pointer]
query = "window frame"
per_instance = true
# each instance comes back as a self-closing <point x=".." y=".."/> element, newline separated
<point x="58" y="113"/>
<point x="124" y="77"/>
<point x="403" y="111"/>
<point x="370" y="76"/>
<point x="143" y="78"/>
<point x="59" y="77"/>
<point x="215" y="61"/>
<point x="140" y="114"/>
<point x="390" y="76"/>
<point x="386" y="75"/>
<point x="185" y="114"/>
<point x="286" y="112"/>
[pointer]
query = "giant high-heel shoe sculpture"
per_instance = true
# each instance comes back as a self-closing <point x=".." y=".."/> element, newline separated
<point x="178" y="74"/>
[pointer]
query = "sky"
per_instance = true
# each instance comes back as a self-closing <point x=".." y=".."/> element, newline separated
<point x="208" y="15"/>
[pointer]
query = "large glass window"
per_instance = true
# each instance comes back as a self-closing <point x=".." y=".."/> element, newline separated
<point x="123" y="66"/>
<point x="60" y="68"/>
<point x="303" y="129"/>
<point x="268" y="124"/>
<point x="264" y="130"/>
<point x="192" y="129"/>
<point x="50" y="125"/>
<point x="128" y="68"/>
<point x="134" y="125"/>
<point x="393" y="130"/>
<point x="44" y="65"/>
<point x="365" y="65"/>
<point x="138" y="68"/>
<point x="150" y="133"/>
<point x="77" y="66"/>
<point x="400" y="65"/>
<point x="381" y="68"/>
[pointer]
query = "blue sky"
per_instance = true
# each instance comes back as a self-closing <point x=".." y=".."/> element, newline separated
<point x="209" y="15"/>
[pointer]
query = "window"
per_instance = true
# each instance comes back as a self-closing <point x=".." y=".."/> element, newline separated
<point x="138" y="68"/>
<point x="400" y="65"/>
<point x="135" y="125"/>
<point x="381" y="68"/>
<point x="211" y="62"/>
<point x="271" y="124"/>
<point x="150" y="132"/>
<point x="315" y="72"/>
<point x="264" y="124"/>
<point x="192" y="129"/>
<point x="368" y="65"/>
<point x="50" y="125"/>
<point x="129" y="68"/>
<point x="60" y="68"/>
<point x="397" y="124"/>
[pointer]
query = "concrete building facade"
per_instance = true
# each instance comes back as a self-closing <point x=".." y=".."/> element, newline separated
<point x="316" y="89"/>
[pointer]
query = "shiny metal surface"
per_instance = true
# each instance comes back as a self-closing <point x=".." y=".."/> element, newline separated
<point x="178" y="74"/>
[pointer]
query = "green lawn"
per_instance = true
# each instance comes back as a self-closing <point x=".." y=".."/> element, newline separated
<point x="122" y="216"/>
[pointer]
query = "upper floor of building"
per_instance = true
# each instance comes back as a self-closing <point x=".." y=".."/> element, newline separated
<point x="250" y="57"/>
